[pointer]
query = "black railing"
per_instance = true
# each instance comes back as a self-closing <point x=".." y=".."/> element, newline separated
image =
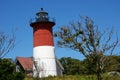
<point x="33" y="20"/>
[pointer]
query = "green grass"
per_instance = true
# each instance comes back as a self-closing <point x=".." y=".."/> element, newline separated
<point x="76" y="77"/>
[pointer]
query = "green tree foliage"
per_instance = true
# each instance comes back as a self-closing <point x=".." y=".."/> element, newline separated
<point x="72" y="66"/>
<point x="7" y="71"/>
<point x="88" y="40"/>
<point x="118" y="63"/>
<point x="114" y="64"/>
<point x="84" y="67"/>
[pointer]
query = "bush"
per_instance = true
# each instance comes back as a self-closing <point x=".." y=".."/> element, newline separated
<point x="76" y="77"/>
<point x="7" y="71"/>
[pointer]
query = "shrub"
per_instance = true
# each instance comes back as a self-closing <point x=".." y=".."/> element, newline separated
<point x="7" y="71"/>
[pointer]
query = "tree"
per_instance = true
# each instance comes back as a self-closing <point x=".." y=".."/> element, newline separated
<point x="90" y="67"/>
<point x="88" y="40"/>
<point x="7" y="67"/>
<point x="72" y="66"/>
<point x="6" y="43"/>
<point x="118" y="62"/>
<point x="114" y="63"/>
<point x="7" y="71"/>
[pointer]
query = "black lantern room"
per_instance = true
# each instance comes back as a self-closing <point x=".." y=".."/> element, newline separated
<point x="42" y="16"/>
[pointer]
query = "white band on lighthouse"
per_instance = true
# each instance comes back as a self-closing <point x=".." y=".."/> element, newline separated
<point x="43" y="59"/>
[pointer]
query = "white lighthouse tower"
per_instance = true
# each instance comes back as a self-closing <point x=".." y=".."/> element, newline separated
<point x="43" y="51"/>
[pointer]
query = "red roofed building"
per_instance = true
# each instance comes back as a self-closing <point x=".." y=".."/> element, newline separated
<point x="25" y="64"/>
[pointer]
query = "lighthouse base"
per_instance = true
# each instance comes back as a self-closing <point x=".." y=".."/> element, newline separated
<point x="44" y="62"/>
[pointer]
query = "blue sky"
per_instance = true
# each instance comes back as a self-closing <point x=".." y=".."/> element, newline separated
<point x="16" y="14"/>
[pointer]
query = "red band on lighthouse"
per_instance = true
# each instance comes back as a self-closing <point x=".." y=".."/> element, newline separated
<point x="43" y="34"/>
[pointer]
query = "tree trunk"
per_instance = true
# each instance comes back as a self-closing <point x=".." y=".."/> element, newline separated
<point x="99" y="70"/>
<point x="99" y="76"/>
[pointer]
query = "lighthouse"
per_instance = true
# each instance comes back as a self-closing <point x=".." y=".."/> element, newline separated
<point x="43" y="50"/>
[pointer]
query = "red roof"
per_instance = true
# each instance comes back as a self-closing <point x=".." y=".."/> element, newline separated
<point x="26" y="62"/>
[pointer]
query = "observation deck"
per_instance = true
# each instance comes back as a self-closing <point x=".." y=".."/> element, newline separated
<point x="42" y="17"/>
